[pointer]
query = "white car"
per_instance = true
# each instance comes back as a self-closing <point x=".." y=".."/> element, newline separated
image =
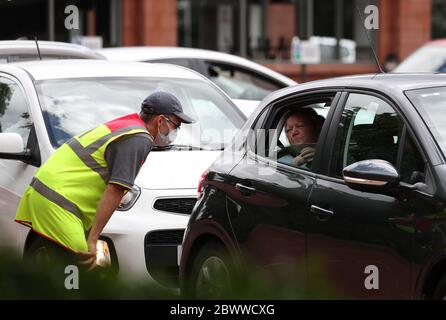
<point x="431" y="57"/>
<point x="246" y="82"/>
<point x="26" y="50"/>
<point x="42" y="104"/>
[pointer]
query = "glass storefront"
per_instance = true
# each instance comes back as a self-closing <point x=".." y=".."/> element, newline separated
<point x="45" y="19"/>
<point x="263" y="29"/>
<point x="209" y="24"/>
<point x="438" y="19"/>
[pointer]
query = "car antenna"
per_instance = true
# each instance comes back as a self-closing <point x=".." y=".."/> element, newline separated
<point x="38" y="49"/>
<point x="370" y="41"/>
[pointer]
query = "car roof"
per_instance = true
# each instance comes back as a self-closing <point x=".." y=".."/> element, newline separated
<point x="437" y="43"/>
<point x="155" y="53"/>
<point x="68" y="68"/>
<point x="17" y="47"/>
<point x="383" y="82"/>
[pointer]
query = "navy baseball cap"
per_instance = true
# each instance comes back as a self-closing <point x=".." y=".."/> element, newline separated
<point x="161" y="102"/>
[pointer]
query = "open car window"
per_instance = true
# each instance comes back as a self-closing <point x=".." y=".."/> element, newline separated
<point x="291" y="134"/>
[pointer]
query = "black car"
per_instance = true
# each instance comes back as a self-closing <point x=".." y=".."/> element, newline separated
<point x="368" y="209"/>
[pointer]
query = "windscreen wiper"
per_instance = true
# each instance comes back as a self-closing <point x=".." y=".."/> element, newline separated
<point x="184" y="147"/>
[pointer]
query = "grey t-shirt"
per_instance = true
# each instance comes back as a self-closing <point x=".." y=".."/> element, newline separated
<point x="125" y="157"/>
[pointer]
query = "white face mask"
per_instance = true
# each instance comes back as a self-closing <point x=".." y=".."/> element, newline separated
<point x="164" y="140"/>
<point x="172" y="135"/>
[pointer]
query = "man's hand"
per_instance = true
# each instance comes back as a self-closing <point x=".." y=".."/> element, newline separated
<point x="110" y="201"/>
<point x="89" y="258"/>
<point x="305" y="156"/>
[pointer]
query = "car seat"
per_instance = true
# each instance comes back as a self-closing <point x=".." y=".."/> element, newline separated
<point x="375" y="141"/>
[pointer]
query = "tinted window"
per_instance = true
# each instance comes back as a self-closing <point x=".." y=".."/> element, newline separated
<point x="412" y="164"/>
<point x="369" y="129"/>
<point x="241" y="84"/>
<point x="14" y="115"/>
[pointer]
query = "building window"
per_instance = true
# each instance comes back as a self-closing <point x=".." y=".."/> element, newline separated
<point x="100" y="18"/>
<point x="438" y="20"/>
<point x="339" y="19"/>
<point x="206" y="24"/>
<point x="263" y="29"/>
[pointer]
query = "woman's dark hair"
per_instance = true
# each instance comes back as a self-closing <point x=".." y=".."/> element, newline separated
<point x="308" y="114"/>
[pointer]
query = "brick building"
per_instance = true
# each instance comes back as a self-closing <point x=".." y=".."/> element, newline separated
<point x="404" y="26"/>
<point x="257" y="29"/>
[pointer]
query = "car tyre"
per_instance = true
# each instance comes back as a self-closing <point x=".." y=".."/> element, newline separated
<point x="212" y="273"/>
<point x="35" y="251"/>
<point x="440" y="290"/>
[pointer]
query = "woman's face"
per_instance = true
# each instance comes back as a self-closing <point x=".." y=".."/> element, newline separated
<point x="299" y="130"/>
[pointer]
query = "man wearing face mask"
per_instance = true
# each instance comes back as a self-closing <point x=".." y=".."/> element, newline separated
<point x="76" y="191"/>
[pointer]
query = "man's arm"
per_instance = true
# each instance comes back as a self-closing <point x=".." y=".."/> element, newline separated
<point x="124" y="158"/>
<point x="109" y="203"/>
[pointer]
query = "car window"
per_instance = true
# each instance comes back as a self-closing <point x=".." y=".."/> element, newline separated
<point x="291" y="135"/>
<point x="322" y="111"/>
<point x="369" y="129"/>
<point x="239" y="83"/>
<point x="412" y="164"/>
<point x="431" y="105"/>
<point x="14" y="115"/>
<point x="256" y="138"/>
<point x="179" y="62"/>
<point x="67" y="106"/>
<point x="215" y="120"/>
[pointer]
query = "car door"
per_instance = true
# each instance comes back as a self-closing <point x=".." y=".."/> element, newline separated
<point x="360" y="243"/>
<point x="267" y="200"/>
<point x="15" y="175"/>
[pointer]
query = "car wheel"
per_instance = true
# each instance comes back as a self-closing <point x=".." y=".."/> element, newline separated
<point x="440" y="290"/>
<point x="212" y="273"/>
<point x="43" y="252"/>
<point x="36" y="252"/>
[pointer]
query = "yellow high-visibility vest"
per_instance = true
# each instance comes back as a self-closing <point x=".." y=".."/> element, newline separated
<point x="61" y="201"/>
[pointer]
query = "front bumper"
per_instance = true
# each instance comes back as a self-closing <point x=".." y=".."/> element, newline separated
<point x="162" y="250"/>
<point x="146" y="240"/>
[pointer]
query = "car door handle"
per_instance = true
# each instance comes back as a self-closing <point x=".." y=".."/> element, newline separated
<point x="245" y="189"/>
<point x="322" y="214"/>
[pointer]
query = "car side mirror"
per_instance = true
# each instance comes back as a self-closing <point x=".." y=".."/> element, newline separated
<point x="12" y="147"/>
<point x="376" y="176"/>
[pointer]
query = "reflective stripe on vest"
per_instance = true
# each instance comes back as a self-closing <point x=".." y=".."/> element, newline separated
<point x="99" y="143"/>
<point x="87" y="159"/>
<point x="62" y="200"/>
<point x="84" y="153"/>
<point x="54" y="197"/>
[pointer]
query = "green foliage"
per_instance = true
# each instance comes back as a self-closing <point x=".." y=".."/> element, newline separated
<point x="26" y="279"/>
<point x="23" y="279"/>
